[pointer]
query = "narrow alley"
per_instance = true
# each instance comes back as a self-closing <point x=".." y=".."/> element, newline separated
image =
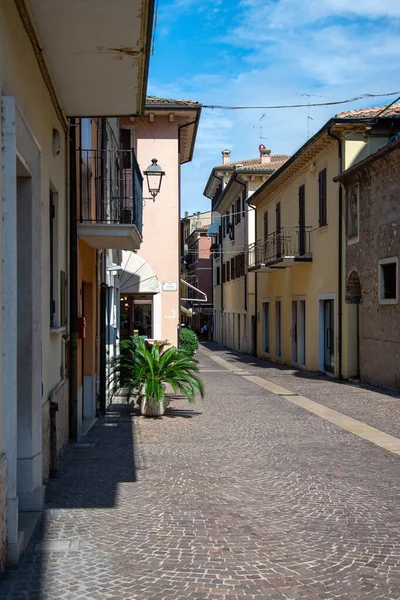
<point x="246" y="494"/>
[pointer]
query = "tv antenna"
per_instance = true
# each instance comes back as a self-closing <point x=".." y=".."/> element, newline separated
<point x="259" y="125"/>
<point x="309" y="117"/>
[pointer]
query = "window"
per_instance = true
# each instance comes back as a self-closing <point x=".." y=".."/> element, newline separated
<point x="265" y="327"/>
<point x="233" y="269"/>
<point x="126" y="147"/>
<point x="388" y="285"/>
<point x="218" y="276"/>
<point x="278" y="328"/>
<point x="223" y="273"/>
<point x="243" y="204"/>
<point x="323" y="217"/>
<point x="228" y="271"/>
<point x="237" y="211"/>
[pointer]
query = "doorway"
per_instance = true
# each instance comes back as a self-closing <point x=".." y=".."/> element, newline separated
<point x="329" y="335"/>
<point x="88" y="353"/>
<point x="299" y="331"/>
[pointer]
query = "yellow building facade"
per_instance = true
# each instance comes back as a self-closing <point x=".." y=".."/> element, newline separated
<point x="298" y="258"/>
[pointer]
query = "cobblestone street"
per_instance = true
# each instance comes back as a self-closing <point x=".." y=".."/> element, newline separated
<point x="242" y="495"/>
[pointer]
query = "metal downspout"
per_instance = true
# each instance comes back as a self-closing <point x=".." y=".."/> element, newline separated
<point x="340" y="257"/>
<point x="73" y="287"/>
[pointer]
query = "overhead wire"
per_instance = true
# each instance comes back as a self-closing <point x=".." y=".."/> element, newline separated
<point x="282" y="106"/>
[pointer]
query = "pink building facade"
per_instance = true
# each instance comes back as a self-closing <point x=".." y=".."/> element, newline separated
<point x="150" y="279"/>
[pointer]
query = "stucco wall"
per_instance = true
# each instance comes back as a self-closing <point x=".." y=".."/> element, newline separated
<point x="379" y="212"/>
<point x="308" y="281"/>
<point x="21" y="77"/>
<point x="161" y="218"/>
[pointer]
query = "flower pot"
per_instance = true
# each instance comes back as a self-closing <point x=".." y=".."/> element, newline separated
<point x="150" y="408"/>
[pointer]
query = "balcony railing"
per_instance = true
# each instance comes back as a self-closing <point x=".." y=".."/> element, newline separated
<point x="108" y="192"/>
<point x="289" y="244"/>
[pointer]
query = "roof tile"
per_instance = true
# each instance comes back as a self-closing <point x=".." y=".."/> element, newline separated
<point x="255" y="164"/>
<point x="153" y="100"/>
<point x="392" y="111"/>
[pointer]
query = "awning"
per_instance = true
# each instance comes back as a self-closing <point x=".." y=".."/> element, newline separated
<point x="137" y="276"/>
<point x="192" y="287"/>
<point x="187" y="311"/>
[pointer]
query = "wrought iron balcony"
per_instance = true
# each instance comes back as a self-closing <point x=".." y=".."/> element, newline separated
<point x="280" y="249"/>
<point x="110" y="198"/>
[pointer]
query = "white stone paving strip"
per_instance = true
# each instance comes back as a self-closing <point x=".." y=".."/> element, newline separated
<point x="358" y="428"/>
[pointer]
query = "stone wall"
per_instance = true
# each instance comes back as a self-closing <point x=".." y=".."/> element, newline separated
<point x="379" y="238"/>
<point x="3" y="511"/>
<point x="60" y="396"/>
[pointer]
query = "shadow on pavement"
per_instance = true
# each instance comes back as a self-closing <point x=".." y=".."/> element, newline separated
<point x="88" y="478"/>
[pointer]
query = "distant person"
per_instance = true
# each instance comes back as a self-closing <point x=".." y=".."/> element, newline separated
<point x="206" y="329"/>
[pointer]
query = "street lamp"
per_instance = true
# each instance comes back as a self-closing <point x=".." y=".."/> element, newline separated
<point x="154" y="175"/>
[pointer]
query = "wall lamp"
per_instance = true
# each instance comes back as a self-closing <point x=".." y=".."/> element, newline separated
<point x="154" y="175"/>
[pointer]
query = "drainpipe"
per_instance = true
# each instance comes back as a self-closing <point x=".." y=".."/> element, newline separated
<point x="103" y="283"/>
<point x="73" y="287"/>
<point x="340" y="256"/>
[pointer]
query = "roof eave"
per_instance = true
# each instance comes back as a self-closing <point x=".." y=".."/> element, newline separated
<point x="194" y="135"/>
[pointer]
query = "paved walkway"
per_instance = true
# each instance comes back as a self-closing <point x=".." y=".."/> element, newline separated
<point x="244" y="495"/>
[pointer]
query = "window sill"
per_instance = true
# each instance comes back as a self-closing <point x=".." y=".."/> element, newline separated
<point x="57" y="330"/>
<point x="384" y="301"/>
<point x="322" y="228"/>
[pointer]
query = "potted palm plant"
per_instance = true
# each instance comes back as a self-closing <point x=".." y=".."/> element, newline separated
<point x="148" y="369"/>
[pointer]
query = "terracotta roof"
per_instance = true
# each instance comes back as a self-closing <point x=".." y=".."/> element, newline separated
<point x="168" y="101"/>
<point x="393" y="111"/>
<point x="255" y="164"/>
<point x="203" y="227"/>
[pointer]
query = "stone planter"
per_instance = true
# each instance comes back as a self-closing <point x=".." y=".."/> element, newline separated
<point x="149" y="407"/>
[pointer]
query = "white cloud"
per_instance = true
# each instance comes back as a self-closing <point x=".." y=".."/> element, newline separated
<point x="271" y="52"/>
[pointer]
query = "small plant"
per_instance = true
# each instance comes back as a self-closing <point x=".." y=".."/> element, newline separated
<point x="188" y="342"/>
<point x="148" y="368"/>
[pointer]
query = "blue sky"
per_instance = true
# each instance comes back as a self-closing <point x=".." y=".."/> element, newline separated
<point x="262" y="52"/>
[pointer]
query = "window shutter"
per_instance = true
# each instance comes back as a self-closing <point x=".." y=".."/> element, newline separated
<point x="265" y="225"/>
<point x="322" y="209"/>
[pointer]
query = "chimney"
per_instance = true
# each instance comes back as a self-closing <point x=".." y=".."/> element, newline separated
<point x="265" y="154"/>
<point x="226" y="156"/>
<point x="186" y="214"/>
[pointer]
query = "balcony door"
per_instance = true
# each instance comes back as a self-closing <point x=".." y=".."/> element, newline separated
<point x="302" y="221"/>
<point x="278" y="230"/>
